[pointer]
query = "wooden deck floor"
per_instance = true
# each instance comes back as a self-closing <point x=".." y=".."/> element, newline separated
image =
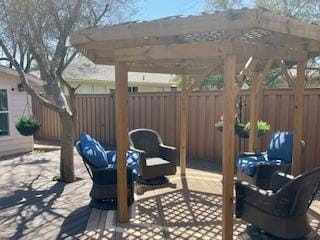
<point x="32" y="206"/>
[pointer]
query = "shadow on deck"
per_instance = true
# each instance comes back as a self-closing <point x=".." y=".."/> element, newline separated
<point x="35" y="207"/>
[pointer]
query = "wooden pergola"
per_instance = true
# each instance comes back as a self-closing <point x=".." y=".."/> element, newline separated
<point x="240" y="44"/>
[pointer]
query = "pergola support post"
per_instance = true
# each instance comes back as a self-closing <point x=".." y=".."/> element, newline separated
<point x="228" y="145"/>
<point x="256" y="98"/>
<point x="298" y="118"/>
<point x="253" y="117"/>
<point x="183" y="125"/>
<point x="255" y="108"/>
<point x="121" y="77"/>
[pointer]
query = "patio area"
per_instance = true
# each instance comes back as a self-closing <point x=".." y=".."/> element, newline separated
<point x="35" y="207"/>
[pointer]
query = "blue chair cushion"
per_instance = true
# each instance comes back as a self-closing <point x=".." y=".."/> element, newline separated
<point x="93" y="152"/>
<point x="281" y="146"/>
<point x="248" y="164"/>
<point x="132" y="160"/>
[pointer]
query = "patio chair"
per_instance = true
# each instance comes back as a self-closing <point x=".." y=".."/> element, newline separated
<point x="156" y="159"/>
<point x="282" y="210"/>
<point x="259" y="168"/>
<point x="104" y="178"/>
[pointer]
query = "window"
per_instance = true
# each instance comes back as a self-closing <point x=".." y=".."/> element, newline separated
<point x="132" y="89"/>
<point x="4" y="114"/>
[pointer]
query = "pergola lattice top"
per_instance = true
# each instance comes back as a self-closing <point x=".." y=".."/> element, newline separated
<point x="195" y="43"/>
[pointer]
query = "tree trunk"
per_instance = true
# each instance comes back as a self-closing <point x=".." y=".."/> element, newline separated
<point x="67" y="143"/>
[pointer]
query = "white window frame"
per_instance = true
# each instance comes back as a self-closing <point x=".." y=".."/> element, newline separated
<point x="5" y="137"/>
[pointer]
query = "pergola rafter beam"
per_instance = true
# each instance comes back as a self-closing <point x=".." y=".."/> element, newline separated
<point x="194" y="66"/>
<point x="248" y="68"/>
<point x="263" y="74"/>
<point x="207" y="50"/>
<point x="286" y="74"/>
<point x="219" y="22"/>
<point x="154" y="32"/>
<point x="137" y="41"/>
<point x="286" y="25"/>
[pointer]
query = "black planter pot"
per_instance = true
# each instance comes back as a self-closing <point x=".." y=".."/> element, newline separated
<point x="28" y="130"/>
<point x="241" y="132"/>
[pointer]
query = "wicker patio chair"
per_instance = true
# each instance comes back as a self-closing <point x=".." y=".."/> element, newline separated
<point x="282" y="210"/>
<point x="104" y="184"/>
<point x="156" y="159"/>
<point x="259" y="168"/>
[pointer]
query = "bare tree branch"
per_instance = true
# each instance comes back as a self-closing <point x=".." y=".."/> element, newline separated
<point x="26" y="84"/>
<point x="69" y="60"/>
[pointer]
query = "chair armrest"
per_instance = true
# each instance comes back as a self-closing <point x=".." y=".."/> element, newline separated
<point x="247" y="193"/>
<point x="142" y="156"/>
<point x="167" y="147"/>
<point x="279" y="179"/>
<point x="251" y="192"/>
<point x="169" y="153"/>
<point x="140" y="151"/>
<point x="248" y="154"/>
<point x="265" y="170"/>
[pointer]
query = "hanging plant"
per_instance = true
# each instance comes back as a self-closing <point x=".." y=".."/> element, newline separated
<point x="242" y="130"/>
<point x="237" y="124"/>
<point x="27" y="126"/>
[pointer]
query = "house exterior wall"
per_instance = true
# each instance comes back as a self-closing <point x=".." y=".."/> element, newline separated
<point x="101" y="88"/>
<point x="14" y="142"/>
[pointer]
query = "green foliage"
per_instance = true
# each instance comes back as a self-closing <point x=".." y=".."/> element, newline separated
<point x="212" y="82"/>
<point x="26" y="122"/>
<point x="262" y="127"/>
<point x="307" y="10"/>
<point x="214" y="5"/>
<point x="273" y="78"/>
<point x="27" y="126"/>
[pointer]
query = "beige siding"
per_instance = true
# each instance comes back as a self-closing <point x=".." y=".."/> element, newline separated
<point x="153" y="89"/>
<point x="103" y="88"/>
<point x="15" y="143"/>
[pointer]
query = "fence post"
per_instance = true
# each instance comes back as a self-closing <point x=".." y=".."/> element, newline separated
<point x="172" y="115"/>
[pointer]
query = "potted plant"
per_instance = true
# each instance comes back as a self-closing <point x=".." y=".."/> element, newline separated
<point x="242" y="130"/>
<point x="27" y="126"/>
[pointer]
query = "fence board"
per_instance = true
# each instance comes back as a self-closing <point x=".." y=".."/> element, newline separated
<point x="161" y="112"/>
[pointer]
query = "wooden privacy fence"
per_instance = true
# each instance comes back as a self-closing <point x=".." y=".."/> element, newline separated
<point x="161" y="112"/>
